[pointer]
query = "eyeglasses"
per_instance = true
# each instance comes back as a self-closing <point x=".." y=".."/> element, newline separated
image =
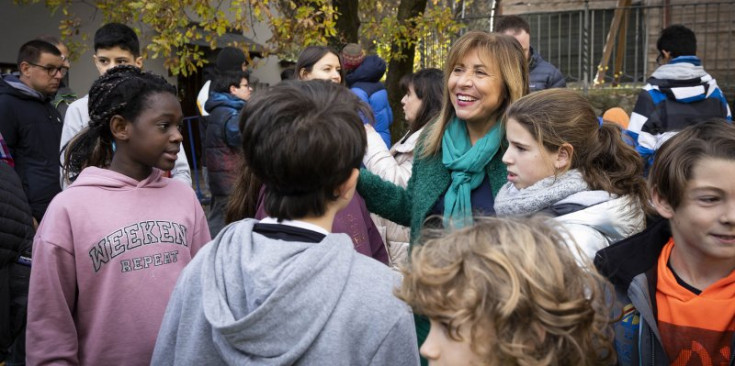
<point x="245" y="86"/>
<point x="52" y="70"/>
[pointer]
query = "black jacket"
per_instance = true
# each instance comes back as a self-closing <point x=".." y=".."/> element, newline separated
<point x="31" y="127"/>
<point x="16" y="222"/>
<point x="543" y="75"/>
<point x="16" y="237"/>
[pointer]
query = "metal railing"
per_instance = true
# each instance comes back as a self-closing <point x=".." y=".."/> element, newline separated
<point x="573" y="40"/>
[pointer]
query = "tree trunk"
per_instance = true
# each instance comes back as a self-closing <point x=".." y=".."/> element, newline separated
<point x="347" y="24"/>
<point x="401" y="64"/>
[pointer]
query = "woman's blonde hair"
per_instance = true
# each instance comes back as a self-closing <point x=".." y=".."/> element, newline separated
<point x="498" y="48"/>
<point x="555" y="117"/>
<point x="525" y="297"/>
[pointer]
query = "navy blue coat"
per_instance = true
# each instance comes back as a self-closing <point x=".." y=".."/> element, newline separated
<point x="223" y="141"/>
<point x="543" y="75"/>
<point x="31" y="127"/>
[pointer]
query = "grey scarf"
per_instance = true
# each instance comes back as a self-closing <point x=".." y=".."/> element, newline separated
<point x="544" y="193"/>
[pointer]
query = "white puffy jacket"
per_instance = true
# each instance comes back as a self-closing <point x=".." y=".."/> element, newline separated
<point x="606" y="220"/>
<point x="395" y="166"/>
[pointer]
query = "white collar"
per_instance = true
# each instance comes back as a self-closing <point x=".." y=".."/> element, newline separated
<point x="295" y="223"/>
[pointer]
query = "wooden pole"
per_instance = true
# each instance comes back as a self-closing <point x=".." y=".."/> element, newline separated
<point x="610" y="42"/>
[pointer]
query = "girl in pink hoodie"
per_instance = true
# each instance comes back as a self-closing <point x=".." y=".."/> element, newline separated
<point x="110" y="248"/>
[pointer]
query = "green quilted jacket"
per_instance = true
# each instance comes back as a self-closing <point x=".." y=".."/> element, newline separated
<point x="429" y="180"/>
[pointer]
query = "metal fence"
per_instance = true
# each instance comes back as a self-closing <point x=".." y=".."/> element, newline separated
<point x="573" y="40"/>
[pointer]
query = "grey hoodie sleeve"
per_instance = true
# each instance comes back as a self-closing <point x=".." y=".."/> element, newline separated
<point x="400" y="346"/>
<point x="165" y="351"/>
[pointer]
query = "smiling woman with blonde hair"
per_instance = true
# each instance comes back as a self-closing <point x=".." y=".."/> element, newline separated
<point x="458" y="169"/>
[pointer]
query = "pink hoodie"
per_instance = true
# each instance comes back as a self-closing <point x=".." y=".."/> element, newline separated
<point x="105" y="260"/>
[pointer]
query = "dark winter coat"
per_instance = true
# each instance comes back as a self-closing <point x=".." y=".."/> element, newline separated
<point x="223" y="141"/>
<point x="16" y="238"/>
<point x="16" y="221"/>
<point x="543" y="75"/>
<point x="31" y="127"/>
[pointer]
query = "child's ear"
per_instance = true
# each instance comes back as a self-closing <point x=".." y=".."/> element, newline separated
<point x="563" y="158"/>
<point x="662" y="206"/>
<point x="233" y="89"/>
<point x="303" y="73"/>
<point x="139" y="62"/>
<point x="120" y="128"/>
<point x="347" y="189"/>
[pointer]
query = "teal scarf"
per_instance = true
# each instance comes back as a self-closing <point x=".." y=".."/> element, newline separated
<point x="467" y="164"/>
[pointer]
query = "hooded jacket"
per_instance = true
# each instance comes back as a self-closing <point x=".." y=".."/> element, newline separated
<point x="31" y="127"/>
<point x="631" y="267"/>
<point x="364" y="81"/>
<point x="678" y="94"/>
<point x="251" y="300"/>
<point x="223" y="141"/>
<point x="543" y="75"/>
<point x="105" y="260"/>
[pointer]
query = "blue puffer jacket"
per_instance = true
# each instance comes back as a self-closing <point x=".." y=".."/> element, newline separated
<point x="365" y="82"/>
<point x="223" y="141"/>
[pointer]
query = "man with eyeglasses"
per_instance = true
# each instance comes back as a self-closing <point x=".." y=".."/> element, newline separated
<point x="678" y="94"/>
<point x="30" y="123"/>
<point x="64" y="96"/>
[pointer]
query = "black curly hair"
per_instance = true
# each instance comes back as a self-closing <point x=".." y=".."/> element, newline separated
<point x="123" y="90"/>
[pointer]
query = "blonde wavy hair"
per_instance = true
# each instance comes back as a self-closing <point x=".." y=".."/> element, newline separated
<point x="496" y="48"/>
<point x="519" y="288"/>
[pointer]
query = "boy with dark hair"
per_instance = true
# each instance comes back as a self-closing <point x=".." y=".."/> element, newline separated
<point x="114" y="44"/>
<point x="675" y="281"/>
<point x="228" y="59"/>
<point x="678" y="94"/>
<point x="223" y="141"/>
<point x="541" y="74"/>
<point x="285" y="290"/>
<point x="117" y="35"/>
<point x="677" y="40"/>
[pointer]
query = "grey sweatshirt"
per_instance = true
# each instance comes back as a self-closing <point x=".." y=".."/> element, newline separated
<point x="246" y="299"/>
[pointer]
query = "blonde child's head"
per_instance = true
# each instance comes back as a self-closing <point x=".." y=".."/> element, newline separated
<point x="508" y="292"/>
